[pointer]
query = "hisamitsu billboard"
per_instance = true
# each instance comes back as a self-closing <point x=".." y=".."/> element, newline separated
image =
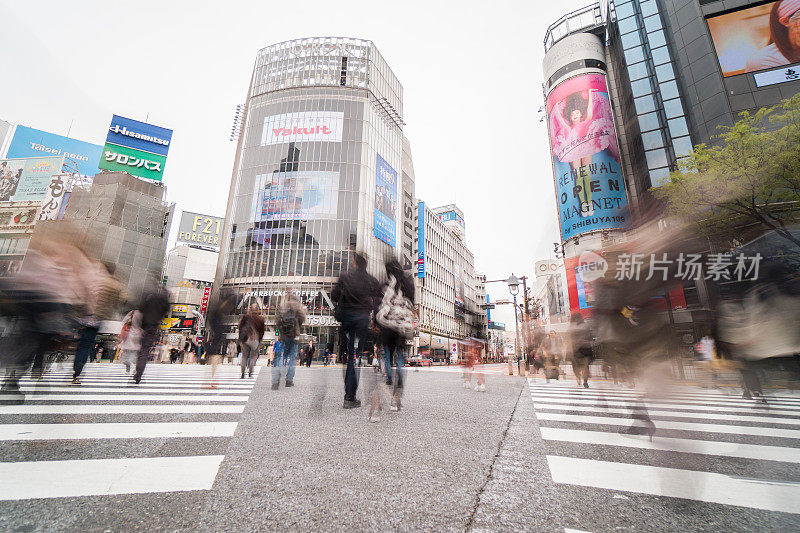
<point x="201" y="230"/>
<point x="136" y="147"/>
<point x="28" y="143"/>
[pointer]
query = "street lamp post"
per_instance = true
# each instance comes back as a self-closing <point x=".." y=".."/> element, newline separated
<point x="513" y="287"/>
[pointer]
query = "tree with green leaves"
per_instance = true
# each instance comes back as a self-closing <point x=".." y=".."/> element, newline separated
<point x="747" y="183"/>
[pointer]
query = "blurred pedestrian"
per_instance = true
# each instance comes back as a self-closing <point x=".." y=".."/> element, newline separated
<point x="290" y="319"/>
<point x="130" y="339"/>
<point x="153" y="306"/>
<point x="310" y="349"/>
<point x="215" y="329"/>
<point x="580" y="348"/>
<point x="356" y="294"/>
<point x="251" y="331"/>
<point x="232" y="351"/>
<point x="395" y="318"/>
<point x="105" y="295"/>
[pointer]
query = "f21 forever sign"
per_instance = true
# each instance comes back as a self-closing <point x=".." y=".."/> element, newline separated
<point x="200" y="230"/>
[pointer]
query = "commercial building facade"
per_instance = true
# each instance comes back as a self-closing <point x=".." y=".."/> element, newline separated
<point x="322" y="170"/>
<point x="675" y="71"/>
<point x="449" y="292"/>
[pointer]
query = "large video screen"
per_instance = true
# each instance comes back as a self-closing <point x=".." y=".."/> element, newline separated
<point x="757" y="38"/>
<point x="302" y="195"/>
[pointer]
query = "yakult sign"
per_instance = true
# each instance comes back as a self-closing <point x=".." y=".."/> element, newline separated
<point x="319" y="126"/>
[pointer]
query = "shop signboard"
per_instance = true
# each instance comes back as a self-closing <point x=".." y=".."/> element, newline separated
<point x="385" y="220"/>
<point x="28" y="180"/>
<point x="180" y="308"/>
<point x="421" y="239"/>
<point x="78" y="155"/>
<point x="204" y="300"/>
<point x="200" y="230"/>
<point x="136" y="147"/>
<point x="308" y="126"/>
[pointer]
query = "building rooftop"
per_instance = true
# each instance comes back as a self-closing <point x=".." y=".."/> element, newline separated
<point x="585" y="19"/>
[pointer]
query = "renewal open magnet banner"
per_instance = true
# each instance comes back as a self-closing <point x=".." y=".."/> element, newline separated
<point x="586" y="161"/>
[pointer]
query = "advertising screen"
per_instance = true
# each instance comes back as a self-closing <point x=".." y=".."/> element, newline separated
<point x="138" y="148"/>
<point x="589" y="184"/>
<point x="80" y="155"/>
<point x="202" y="230"/>
<point x="385" y="221"/>
<point x="325" y="126"/>
<point x="296" y="195"/>
<point x="756" y="38"/>
<point x="27" y="180"/>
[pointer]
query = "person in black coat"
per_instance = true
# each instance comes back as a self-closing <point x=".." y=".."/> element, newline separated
<point x="356" y="294"/>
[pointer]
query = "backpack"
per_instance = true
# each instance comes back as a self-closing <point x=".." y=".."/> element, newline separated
<point x="396" y="312"/>
<point x="287" y="323"/>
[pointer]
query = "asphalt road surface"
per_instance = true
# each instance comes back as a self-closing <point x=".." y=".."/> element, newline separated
<point x="526" y="455"/>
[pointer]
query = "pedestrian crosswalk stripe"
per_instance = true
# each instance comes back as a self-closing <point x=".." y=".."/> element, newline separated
<point x="131" y="389"/>
<point x="660" y="404"/>
<point x="572" y="409"/>
<point x="677" y="483"/>
<point x="704" y="447"/>
<point x="101" y="477"/>
<point x="126" y="397"/>
<point x="115" y="430"/>
<point x="101" y="409"/>
<point x="676" y="394"/>
<point x="681" y="426"/>
<point x="665" y="399"/>
<point x="145" y="382"/>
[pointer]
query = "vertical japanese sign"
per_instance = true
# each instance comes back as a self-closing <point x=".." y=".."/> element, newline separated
<point x="586" y="161"/>
<point x="421" y="239"/>
<point x="385" y="221"/>
<point x="204" y="301"/>
<point x="136" y="147"/>
<point x="51" y="208"/>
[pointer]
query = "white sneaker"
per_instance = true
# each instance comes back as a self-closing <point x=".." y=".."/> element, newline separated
<point x="480" y="388"/>
<point x="393" y="408"/>
<point x="467" y="385"/>
<point x="375" y="418"/>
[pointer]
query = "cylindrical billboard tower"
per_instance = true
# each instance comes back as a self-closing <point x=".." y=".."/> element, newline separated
<point x="589" y="185"/>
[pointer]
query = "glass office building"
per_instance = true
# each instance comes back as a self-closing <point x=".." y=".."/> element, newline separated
<point x="318" y="175"/>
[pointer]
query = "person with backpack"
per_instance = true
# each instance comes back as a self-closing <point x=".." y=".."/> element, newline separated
<point x="355" y="294"/>
<point x="290" y="319"/>
<point x="251" y="331"/>
<point x="153" y="307"/>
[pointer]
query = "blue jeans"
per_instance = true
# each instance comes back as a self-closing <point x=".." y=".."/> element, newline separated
<point x="401" y="358"/>
<point x="287" y="357"/>
<point x="85" y="346"/>
<point x="355" y="324"/>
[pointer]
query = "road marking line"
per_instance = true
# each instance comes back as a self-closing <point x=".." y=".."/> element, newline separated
<point x="116" y="430"/>
<point x="130" y="389"/>
<point x="656" y="403"/>
<point x="45" y="409"/>
<point x="676" y="483"/>
<point x="682" y="426"/>
<point x="675" y="399"/>
<point x="100" y="477"/>
<point x="703" y="447"/>
<point x="674" y="414"/>
<point x="687" y="395"/>
<point x="125" y="397"/>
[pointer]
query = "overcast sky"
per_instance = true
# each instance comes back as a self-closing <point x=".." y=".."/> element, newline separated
<point x="471" y="75"/>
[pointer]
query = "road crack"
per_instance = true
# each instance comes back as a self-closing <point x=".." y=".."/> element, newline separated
<point x="490" y="475"/>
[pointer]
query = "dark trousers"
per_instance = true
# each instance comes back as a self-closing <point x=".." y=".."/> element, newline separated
<point x="85" y="347"/>
<point x="355" y="325"/>
<point x="148" y="340"/>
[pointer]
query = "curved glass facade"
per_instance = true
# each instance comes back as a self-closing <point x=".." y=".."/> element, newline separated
<point x="316" y="175"/>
